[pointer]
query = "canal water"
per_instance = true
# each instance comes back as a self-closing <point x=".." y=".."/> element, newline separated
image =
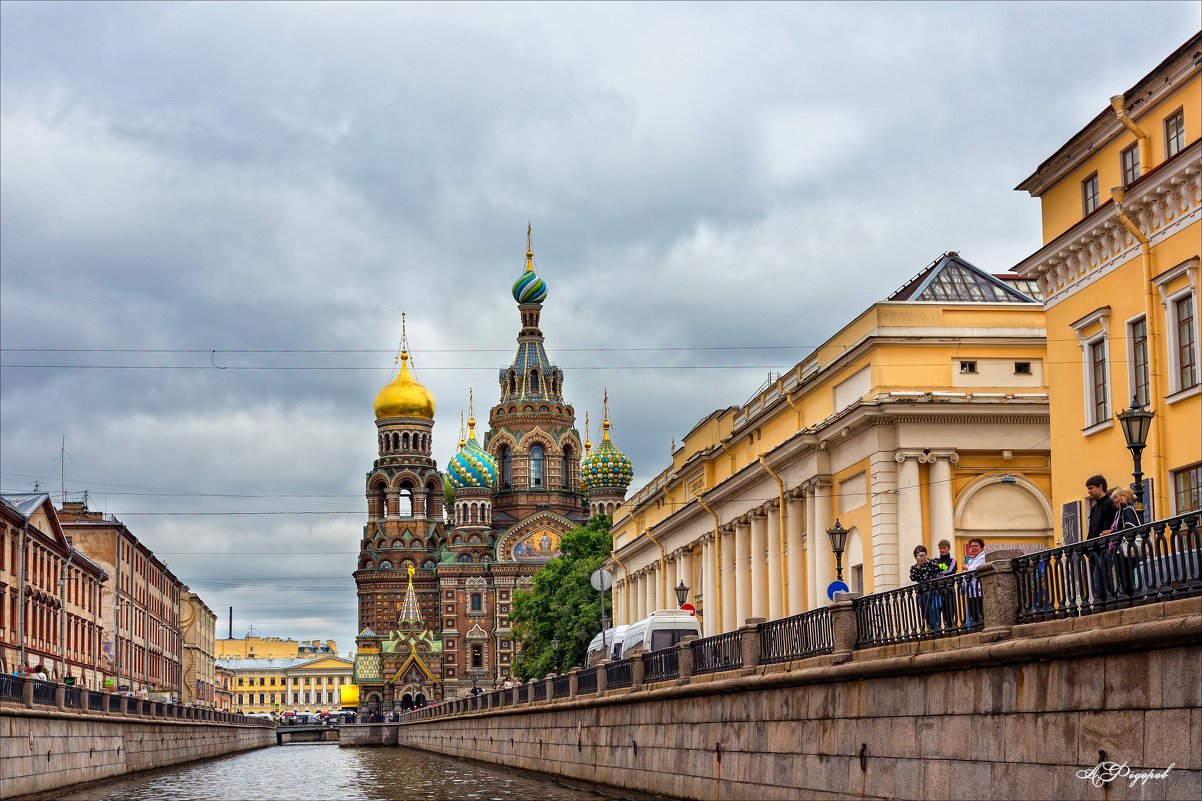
<point x="325" y="772"/>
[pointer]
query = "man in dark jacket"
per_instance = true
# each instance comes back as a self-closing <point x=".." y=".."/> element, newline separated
<point x="1101" y="516"/>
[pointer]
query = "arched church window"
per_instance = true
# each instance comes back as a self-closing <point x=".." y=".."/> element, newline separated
<point x="405" y="502"/>
<point x="567" y="465"/>
<point x="534" y="381"/>
<point x="477" y="656"/>
<point x="513" y="381"/>
<point x="536" y="466"/>
<point x="405" y="440"/>
<point x="506" y="467"/>
<point x="396" y="440"/>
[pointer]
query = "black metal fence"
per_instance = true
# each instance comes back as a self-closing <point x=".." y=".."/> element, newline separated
<point x="661" y="665"/>
<point x="586" y="682"/>
<point x="796" y="637"/>
<point x="720" y="652"/>
<point x="523" y="694"/>
<point x="96" y="701"/>
<point x="43" y="692"/>
<point x="561" y="686"/>
<point x="540" y="690"/>
<point x="115" y="703"/>
<point x="1153" y="562"/>
<point x="617" y="674"/>
<point x="10" y="687"/>
<point x="943" y="607"/>
<point x="73" y="697"/>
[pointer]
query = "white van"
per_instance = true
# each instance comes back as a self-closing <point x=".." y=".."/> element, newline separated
<point x="596" y="649"/>
<point x="661" y="629"/>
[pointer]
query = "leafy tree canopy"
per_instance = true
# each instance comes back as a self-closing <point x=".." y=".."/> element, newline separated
<point x="563" y="604"/>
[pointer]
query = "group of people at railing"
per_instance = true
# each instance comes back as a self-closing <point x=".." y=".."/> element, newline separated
<point x="939" y="601"/>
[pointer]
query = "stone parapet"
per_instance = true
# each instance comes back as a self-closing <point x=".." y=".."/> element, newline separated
<point x="1009" y="718"/>
<point x="44" y="750"/>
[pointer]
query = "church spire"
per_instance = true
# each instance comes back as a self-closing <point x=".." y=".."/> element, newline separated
<point x="588" y="446"/>
<point x="410" y="612"/>
<point x="605" y="417"/>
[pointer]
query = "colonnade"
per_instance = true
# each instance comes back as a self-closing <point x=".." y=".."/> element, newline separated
<point x="748" y="569"/>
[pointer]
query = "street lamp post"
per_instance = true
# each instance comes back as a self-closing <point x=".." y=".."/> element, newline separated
<point x="682" y="593"/>
<point x="838" y="537"/>
<point x="1136" y="422"/>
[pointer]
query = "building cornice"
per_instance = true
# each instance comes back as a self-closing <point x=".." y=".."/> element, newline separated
<point x="1161" y="204"/>
<point x="1149" y="91"/>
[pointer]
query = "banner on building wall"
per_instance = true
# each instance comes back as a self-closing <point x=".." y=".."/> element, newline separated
<point x="1070" y="522"/>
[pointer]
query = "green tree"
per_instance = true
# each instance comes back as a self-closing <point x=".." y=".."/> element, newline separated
<point x="563" y="604"/>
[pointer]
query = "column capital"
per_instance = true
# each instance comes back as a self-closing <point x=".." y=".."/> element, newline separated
<point x="816" y="483"/>
<point x="926" y="455"/>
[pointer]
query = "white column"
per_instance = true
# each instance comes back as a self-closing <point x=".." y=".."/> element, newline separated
<point x="730" y="584"/>
<point x="711" y="621"/>
<point x="796" y="557"/>
<point x="759" y="565"/>
<point x="670" y="583"/>
<point x="684" y="572"/>
<point x="616" y="596"/>
<point x="648" y="581"/>
<point x="942" y="524"/>
<point x="742" y="573"/>
<point x="820" y="544"/>
<point x="776" y="580"/>
<point x="811" y="555"/>
<point x="909" y="514"/>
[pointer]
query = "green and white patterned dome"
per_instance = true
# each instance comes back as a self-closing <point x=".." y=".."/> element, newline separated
<point x="607" y="468"/>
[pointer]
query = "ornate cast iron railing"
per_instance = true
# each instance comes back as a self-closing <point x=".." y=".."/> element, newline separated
<point x="943" y="607"/>
<point x="561" y="685"/>
<point x="617" y="674"/>
<point x="661" y="665"/>
<point x="796" y="637"/>
<point x="586" y="682"/>
<point x="1153" y="562"/>
<point x="720" y="652"/>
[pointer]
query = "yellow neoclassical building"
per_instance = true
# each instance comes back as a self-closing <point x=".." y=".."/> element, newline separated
<point x="1122" y="229"/>
<point x="925" y="417"/>
<point x="285" y="684"/>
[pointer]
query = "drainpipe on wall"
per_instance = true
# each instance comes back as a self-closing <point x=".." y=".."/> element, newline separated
<point x="1160" y="499"/>
<point x="1141" y="138"/>
<point x="784" y="565"/>
<point x="722" y="442"/>
<point x="62" y="614"/>
<point x="663" y="570"/>
<point x="717" y="599"/>
<point x="21" y="593"/>
<point x="789" y="400"/>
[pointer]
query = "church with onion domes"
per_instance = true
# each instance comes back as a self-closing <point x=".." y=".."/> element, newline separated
<point x="442" y="553"/>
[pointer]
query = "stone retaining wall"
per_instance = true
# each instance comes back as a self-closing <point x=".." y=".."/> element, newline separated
<point x="988" y="715"/>
<point x="43" y="751"/>
<point x="367" y="734"/>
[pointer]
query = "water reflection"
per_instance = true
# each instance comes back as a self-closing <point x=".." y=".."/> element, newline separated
<point x="325" y="771"/>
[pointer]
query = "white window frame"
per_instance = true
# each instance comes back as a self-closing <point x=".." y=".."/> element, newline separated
<point x="1132" y="378"/>
<point x="1100" y="317"/>
<point x="1173" y="486"/>
<point x="1169" y="302"/>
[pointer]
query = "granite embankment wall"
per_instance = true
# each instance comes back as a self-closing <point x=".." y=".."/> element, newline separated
<point x="1005" y="714"/>
<point x="367" y="734"/>
<point x="44" y="752"/>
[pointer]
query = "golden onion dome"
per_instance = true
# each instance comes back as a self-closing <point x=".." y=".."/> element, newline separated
<point x="404" y="396"/>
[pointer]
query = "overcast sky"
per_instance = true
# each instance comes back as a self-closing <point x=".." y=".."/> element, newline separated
<point x="213" y="216"/>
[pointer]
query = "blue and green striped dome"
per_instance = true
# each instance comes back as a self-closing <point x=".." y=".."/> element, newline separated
<point x="607" y="467"/>
<point x="472" y="467"/>
<point x="529" y="288"/>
